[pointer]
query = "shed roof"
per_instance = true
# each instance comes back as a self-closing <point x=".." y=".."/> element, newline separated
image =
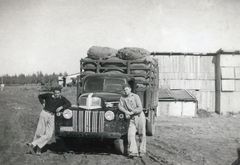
<point x="175" y="95"/>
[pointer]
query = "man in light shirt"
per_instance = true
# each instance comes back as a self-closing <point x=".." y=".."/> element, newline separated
<point x="131" y="105"/>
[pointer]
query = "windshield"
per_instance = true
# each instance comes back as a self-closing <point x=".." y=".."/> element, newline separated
<point x="103" y="84"/>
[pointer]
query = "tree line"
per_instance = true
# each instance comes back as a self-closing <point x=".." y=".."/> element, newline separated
<point x="35" y="78"/>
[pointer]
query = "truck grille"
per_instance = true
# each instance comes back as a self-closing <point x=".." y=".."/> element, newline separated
<point x="88" y="121"/>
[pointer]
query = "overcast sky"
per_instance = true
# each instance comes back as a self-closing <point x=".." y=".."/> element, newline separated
<point x="53" y="35"/>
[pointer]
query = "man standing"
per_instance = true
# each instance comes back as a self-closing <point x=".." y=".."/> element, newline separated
<point x="52" y="103"/>
<point x="131" y="105"/>
<point x="2" y="86"/>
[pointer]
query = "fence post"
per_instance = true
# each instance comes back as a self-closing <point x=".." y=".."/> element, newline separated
<point x="218" y="82"/>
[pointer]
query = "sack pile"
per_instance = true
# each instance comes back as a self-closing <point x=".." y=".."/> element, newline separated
<point x="142" y="65"/>
<point x="97" y="52"/>
<point x="132" y="53"/>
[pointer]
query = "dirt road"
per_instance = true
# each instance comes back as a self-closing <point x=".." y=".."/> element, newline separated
<point x="186" y="141"/>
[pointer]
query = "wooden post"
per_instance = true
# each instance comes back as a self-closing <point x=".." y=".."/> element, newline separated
<point x="78" y="89"/>
<point x="218" y="83"/>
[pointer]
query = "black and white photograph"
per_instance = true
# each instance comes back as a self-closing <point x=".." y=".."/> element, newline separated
<point x="112" y="82"/>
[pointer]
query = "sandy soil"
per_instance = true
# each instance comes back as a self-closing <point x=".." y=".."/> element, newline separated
<point x="204" y="141"/>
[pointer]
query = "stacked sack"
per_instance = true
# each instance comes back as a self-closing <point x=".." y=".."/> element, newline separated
<point x="132" y="53"/>
<point x="142" y="65"/>
<point x="97" y="53"/>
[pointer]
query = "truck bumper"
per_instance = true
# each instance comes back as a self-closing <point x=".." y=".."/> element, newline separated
<point x="102" y="135"/>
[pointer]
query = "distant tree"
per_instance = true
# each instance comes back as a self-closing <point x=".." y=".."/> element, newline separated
<point x="14" y="79"/>
<point x="34" y="78"/>
<point x="40" y="77"/>
<point x="21" y="79"/>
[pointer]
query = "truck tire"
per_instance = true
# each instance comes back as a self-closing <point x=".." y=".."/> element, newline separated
<point x="61" y="145"/>
<point x="150" y="124"/>
<point x="119" y="146"/>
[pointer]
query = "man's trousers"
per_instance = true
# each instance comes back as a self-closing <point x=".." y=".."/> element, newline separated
<point x="137" y="124"/>
<point x="45" y="129"/>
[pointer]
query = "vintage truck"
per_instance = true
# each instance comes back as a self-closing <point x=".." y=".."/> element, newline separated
<point x="98" y="92"/>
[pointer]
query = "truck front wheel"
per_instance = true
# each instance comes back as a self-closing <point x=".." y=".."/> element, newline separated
<point x="61" y="145"/>
<point x="119" y="146"/>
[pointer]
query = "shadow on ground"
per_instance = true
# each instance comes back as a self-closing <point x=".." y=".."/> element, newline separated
<point x="92" y="146"/>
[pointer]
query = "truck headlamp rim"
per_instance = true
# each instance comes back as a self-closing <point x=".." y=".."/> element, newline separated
<point x="58" y="114"/>
<point x="121" y="116"/>
<point x="109" y="115"/>
<point x="67" y="114"/>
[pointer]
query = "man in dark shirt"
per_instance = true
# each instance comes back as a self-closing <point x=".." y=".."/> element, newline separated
<point x="52" y="103"/>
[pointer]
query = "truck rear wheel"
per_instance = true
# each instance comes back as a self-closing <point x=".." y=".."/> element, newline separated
<point x="150" y="124"/>
<point x="119" y="146"/>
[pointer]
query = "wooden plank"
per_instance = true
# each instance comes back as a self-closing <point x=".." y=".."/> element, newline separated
<point x="228" y="104"/>
<point x="237" y="85"/>
<point x="230" y="60"/>
<point x="237" y="72"/>
<point x="228" y="85"/>
<point x="175" y="109"/>
<point x="189" y="109"/>
<point x="227" y="72"/>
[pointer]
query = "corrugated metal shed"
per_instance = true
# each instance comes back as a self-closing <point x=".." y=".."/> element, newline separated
<point x="175" y="95"/>
<point x="176" y="103"/>
<point x="193" y="72"/>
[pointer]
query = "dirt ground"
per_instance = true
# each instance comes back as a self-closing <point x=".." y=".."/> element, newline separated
<point x="178" y="141"/>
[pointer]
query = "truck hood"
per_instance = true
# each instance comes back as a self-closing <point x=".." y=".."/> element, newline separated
<point x="106" y="96"/>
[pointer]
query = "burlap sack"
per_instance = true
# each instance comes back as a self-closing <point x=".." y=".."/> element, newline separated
<point x="140" y="66"/>
<point x="110" y="69"/>
<point x="113" y="72"/>
<point x="89" y="72"/>
<point x="97" y="52"/>
<point x="132" y="53"/>
<point x="143" y="73"/>
<point x="113" y="61"/>
<point x="89" y="65"/>
<point x="148" y="59"/>
<point x="141" y="79"/>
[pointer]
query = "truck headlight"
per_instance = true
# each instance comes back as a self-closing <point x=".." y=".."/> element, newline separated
<point x="109" y="115"/>
<point x="67" y="114"/>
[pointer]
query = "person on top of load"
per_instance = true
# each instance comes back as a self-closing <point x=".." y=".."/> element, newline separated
<point x="131" y="105"/>
<point x="52" y="103"/>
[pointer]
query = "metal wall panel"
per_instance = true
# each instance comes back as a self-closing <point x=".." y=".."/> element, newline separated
<point x="237" y="72"/>
<point x="230" y="60"/>
<point x="230" y="67"/>
<point x="196" y="73"/>
<point x="228" y="104"/>
<point x="237" y="85"/>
